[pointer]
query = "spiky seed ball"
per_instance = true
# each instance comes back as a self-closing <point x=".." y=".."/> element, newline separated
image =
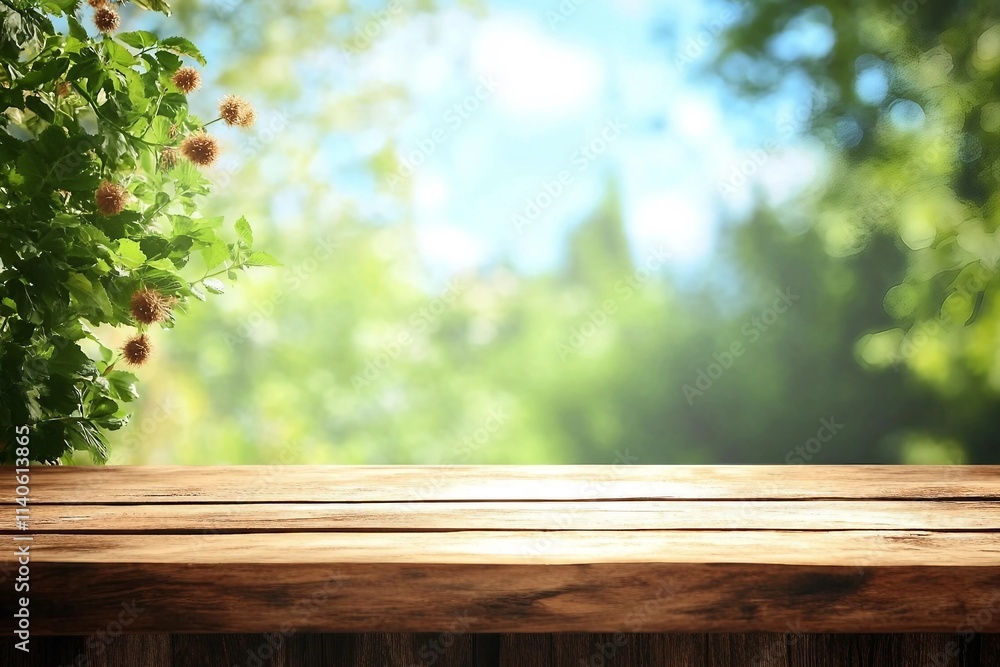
<point x="137" y="349"/>
<point x="235" y="110"/>
<point x="97" y="3"/>
<point x="200" y="148"/>
<point x="148" y="306"/>
<point x="106" y="19"/>
<point x="249" y="117"/>
<point x="168" y="158"/>
<point x="110" y="198"/>
<point x="187" y="79"/>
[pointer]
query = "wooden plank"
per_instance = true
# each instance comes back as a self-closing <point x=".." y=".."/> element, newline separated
<point x="625" y="648"/>
<point x="684" y="650"/>
<point x="572" y="648"/>
<point x="309" y="649"/>
<point x="829" y="515"/>
<point x="854" y="548"/>
<point x="451" y="648"/>
<point x="885" y="650"/>
<point x="600" y="597"/>
<point x="533" y="650"/>
<point x="55" y="651"/>
<point x="168" y="484"/>
<point x="989" y="650"/>
<point x="526" y="650"/>
<point x="451" y="552"/>
<point x="758" y="648"/>
<point x="201" y="650"/>
<point x="486" y="649"/>
<point x="153" y="650"/>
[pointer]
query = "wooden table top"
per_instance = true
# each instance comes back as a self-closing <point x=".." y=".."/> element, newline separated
<point x="513" y="548"/>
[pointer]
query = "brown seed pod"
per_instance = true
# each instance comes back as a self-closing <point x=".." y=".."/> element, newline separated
<point x="168" y="157"/>
<point x="201" y="148"/>
<point x="149" y="306"/>
<point x="110" y="198"/>
<point x="137" y="350"/>
<point x="234" y="110"/>
<point x="187" y="79"/>
<point x="106" y="19"/>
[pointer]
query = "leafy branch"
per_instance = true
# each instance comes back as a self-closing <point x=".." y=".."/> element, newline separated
<point x="99" y="229"/>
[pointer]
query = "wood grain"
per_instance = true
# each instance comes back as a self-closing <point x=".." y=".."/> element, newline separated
<point x="521" y="650"/>
<point x="456" y="555"/>
<point x="815" y="515"/>
<point x="845" y="548"/>
<point x="240" y="484"/>
<point x="606" y="597"/>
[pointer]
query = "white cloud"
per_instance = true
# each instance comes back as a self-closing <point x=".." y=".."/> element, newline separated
<point x="790" y="172"/>
<point x="537" y="75"/>
<point x="681" y="224"/>
<point x="696" y="117"/>
<point x="450" y="248"/>
<point x="430" y="190"/>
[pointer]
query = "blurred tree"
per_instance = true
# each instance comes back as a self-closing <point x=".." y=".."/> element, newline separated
<point x="352" y="354"/>
<point x="903" y="99"/>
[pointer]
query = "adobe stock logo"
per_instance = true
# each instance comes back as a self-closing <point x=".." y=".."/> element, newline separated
<point x="585" y="155"/>
<point x="824" y="434"/>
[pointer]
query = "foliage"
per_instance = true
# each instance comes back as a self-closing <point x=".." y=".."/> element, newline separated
<point x="271" y="379"/>
<point x="905" y="104"/>
<point x="99" y="206"/>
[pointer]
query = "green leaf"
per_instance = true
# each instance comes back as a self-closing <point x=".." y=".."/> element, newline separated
<point x="159" y="130"/>
<point x="139" y="39"/>
<point x="113" y="423"/>
<point x="69" y="359"/>
<point x="21" y="331"/>
<point x="88" y="68"/>
<point x="76" y="30"/>
<point x="243" y="232"/>
<point x="123" y="385"/>
<point x="167" y="282"/>
<point x="137" y="96"/>
<point x="107" y="354"/>
<point x="169" y="62"/>
<point x="210" y="223"/>
<point x="86" y="436"/>
<point x="45" y="71"/>
<point x="61" y="394"/>
<point x="40" y="108"/>
<point x="102" y="407"/>
<point x="184" y="47"/>
<point x="154" y="6"/>
<point x="214" y="286"/>
<point x="215" y="254"/>
<point x="259" y="258"/>
<point x="197" y="293"/>
<point x="977" y="307"/>
<point x="162" y="264"/>
<point x="120" y="57"/>
<point x="130" y="254"/>
<point x="89" y="294"/>
<point x="59" y="7"/>
<point x="49" y="441"/>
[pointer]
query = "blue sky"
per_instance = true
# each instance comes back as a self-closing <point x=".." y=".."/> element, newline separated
<point x="587" y="91"/>
<point x="553" y="99"/>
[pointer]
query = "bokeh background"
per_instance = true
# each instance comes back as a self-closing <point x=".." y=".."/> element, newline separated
<point x="594" y="232"/>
